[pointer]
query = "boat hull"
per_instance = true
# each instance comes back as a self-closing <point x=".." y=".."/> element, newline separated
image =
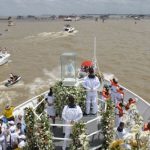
<point x="4" y="58"/>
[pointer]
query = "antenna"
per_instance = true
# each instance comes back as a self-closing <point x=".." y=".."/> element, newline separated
<point x="94" y="58"/>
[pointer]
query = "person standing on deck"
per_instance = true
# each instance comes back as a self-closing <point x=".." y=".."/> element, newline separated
<point x="114" y="87"/>
<point x="71" y="113"/>
<point x="105" y="94"/>
<point x="119" y="95"/>
<point x="91" y="83"/>
<point x="50" y="105"/>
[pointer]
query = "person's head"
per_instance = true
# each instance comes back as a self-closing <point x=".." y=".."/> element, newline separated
<point x="115" y="80"/>
<point x="121" y="104"/>
<point x="50" y="92"/>
<point x="121" y="125"/>
<point x="148" y="125"/>
<point x="7" y="107"/>
<point x="71" y="100"/>
<point x="19" y="125"/>
<point x="20" y="117"/>
<point x="91" y="70"/>
<point x="11" y="75"/>
<point x="130" y="100"/>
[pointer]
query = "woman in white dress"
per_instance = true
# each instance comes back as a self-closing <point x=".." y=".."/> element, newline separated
<point x="50" y="105"/>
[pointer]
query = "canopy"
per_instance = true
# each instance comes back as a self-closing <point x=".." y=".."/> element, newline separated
<point x="87" y="63"/>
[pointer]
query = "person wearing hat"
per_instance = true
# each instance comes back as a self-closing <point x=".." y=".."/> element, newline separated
<point x="91" y="83"/>
<point x="8" y="113"/>
<point x="71" y="113"/>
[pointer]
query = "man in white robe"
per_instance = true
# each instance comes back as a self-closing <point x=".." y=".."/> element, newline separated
<point x="71" y="113"/>
<point x="91" y="83"/>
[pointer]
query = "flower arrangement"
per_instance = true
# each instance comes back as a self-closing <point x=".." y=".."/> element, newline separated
<point x="116" y="145"/>
<point x="61" y="95"/>
<point x="107" y="125"/>
<point x="43" y="134"/>
<point x="40" y="108"/>
<point x="38" y="133"/>
<point x="79" y="137"/>
<point x="30" y="122"/>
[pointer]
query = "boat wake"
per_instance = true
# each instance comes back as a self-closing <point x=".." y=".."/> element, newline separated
<point x="50" y="35"/>
<point x="48" y="79"/>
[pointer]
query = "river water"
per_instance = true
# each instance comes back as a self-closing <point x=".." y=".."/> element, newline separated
<point x="123" y="49"/>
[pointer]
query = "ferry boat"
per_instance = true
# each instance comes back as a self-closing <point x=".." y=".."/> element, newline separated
<point x="94" y="133"/>
<point x="68" y="19"/>
<point x="4" y="57"/>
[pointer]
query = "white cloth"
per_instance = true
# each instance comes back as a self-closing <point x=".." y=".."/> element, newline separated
<point x="121" y="134"/>
<point x="2" y="142"/>
<point x="50" y="109"/>
<point x="119" y="97"/>
<point x="70" y="114"/>
<point x="22" y="144"/>
<point x="92" y="85"/>
<point x="114" y="93"/>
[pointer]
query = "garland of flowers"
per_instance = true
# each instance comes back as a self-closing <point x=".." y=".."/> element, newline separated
<point x="43" y="134"/>
<point x="107" y="125"/>
<point x="61" y="95"/>
<point x="79" y="137"/>
<point x="40" y="107"/>
<point x="30" y="122"/>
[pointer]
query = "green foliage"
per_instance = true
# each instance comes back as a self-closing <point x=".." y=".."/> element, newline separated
<point x="41" y="107"/>
<point x="30" y="122"/>
<point x="107" y="124"/>
<point x="61" y="95"/>
<point x="43" y="134"/>
<point x="39" y="136"/>
<point x="79" y="137"/>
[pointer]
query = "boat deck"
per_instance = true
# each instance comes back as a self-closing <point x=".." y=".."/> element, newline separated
<point x="94" y="140"/>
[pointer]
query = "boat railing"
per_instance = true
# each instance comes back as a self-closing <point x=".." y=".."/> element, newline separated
<point x="142" y="105"/>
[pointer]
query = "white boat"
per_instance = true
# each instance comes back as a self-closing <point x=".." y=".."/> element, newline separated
<point x="68" y="28"/>
<point x="94" y="133"/>
<point x="68" y="19"/>
<point x="4" y="57"/>
<point x="11" y="83"/>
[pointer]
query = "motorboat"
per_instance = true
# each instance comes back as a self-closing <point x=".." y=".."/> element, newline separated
<point x="68" y="28"/>
<point x="93" y="132"/>
<point x="68" y="19"/>
<point x="4" y="57"/>
<point x="9" y="83"/>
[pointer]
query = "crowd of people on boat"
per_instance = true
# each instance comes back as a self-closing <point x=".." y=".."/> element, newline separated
<point x="12" y="130"/>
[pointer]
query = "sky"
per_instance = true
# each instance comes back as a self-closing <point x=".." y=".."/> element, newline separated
<point x="68" y="7"/>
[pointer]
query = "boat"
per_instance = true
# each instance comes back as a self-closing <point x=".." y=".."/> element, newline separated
<point x="94" y="133"/>
<point x="68" y="28"/>
<point x="68" y="19"/>
<point x="4" y="57"/>
<point x="8" y="83"/>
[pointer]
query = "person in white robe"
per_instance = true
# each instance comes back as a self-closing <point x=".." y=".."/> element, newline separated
<point x="71" y="113"/>
<point x="91" y="83"/>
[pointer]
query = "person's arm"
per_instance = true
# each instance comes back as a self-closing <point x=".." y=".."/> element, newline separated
<point x="85" y="85"/>
<point x="80" y="114"/>
<point x="64" y="114"/>
<point x="97" y="84"/>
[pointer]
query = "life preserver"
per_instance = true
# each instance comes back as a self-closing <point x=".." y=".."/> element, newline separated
<point x="105" y="94"/>
<point x="120" y="110"/>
